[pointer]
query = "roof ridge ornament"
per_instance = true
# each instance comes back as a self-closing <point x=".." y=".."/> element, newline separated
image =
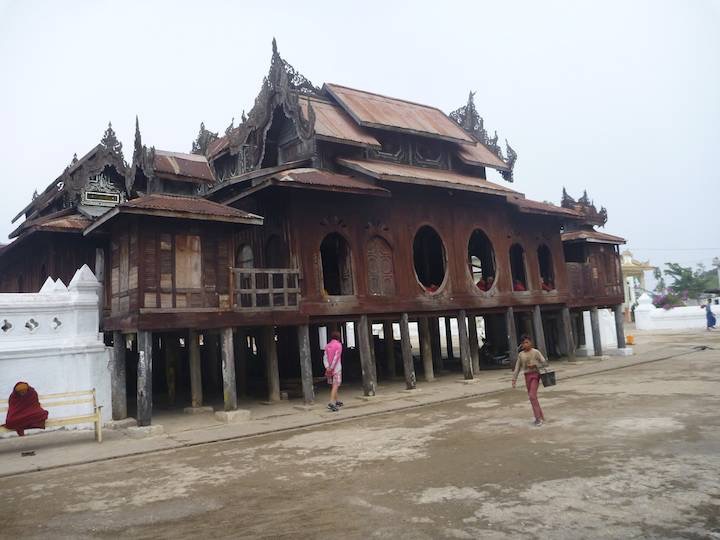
<point x="468" y="118"/>
<point x="202" y="142"/>
<point x="110" y="141"/>
<point x="586" y="207"/>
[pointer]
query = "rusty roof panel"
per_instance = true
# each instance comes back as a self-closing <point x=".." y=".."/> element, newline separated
<point x="416" y="175"/>
<point x="194" y="205"/>
<point x="185" y="166"/>
<point x="592" y="236"/>
<point x="480" y="155"/>
<point x="333" y="123"/>
<point x="536" y="207"/>
<point x="325" y="179"/>
<point x="382" y="112"/>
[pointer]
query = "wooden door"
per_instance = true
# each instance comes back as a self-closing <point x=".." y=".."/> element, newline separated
<point x="381" y="274"/>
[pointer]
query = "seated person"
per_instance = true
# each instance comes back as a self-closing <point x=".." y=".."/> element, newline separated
<point x="24" y="410"/>
<point x="482" y="285"/>
<point x="490" y="282"/>
<point x="518" y="286"/>
<point x="431" y="288"/>
<point x="546" y="285"/>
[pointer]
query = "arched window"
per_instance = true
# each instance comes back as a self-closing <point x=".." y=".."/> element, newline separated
<point x="547" y="274"/>
<point x="276" y="253"/>
<point x="517" y="268"/>
<point x="336" y="265"/>
<point x="381" y="274"/>
<point x="481" y="260"/>
<point x="244" y="257"/>
<point x="429" y="258"/>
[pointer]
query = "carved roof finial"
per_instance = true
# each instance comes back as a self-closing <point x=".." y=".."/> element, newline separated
<point x="510" y="161"/>
<point x="110" y="140"/>
<point x="230" y="127"/>
<point x="74" y="159"/>
<point x="274" y="46"/>
<point x="204" y="138"/>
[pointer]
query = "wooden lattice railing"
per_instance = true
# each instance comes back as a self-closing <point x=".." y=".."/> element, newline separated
<point x="265" y="289"/>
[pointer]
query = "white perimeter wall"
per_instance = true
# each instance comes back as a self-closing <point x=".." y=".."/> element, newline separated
<point x="50" y="339"/>
<point x="648" y="317"/>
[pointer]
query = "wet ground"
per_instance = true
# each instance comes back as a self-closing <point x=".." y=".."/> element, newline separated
<point x="632" y="453"/>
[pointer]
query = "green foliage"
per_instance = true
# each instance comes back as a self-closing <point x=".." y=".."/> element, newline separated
<point x="657" y="274"/>
<point x="685" y="279"/>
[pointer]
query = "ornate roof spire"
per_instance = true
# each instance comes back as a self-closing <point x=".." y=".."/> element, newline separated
<point x="204" y="138"/>
<point x="138" y="138"/>
<point x="110" y="141"/>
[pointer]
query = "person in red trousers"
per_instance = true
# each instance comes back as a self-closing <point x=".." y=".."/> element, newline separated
<point x="530" y="360"/>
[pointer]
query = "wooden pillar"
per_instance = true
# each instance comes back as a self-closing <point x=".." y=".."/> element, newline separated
<point x="512" y="335"/>
<point x="100" y="275"/>
<point x="426" y="348"/>
<point x="595" y="326"/>
<point x="474" y="345"/>
<point x="436" y="346"/>
<point x="306" y="374"/>
<point x="227" y="353"/>
<point x="272" y="371"/>
<point x="241" y="360"/>
<point x="118" y="378"/>
<point x="366" y="362"/>
<point x="620" y="326"/>
<point x="144" y="378"/>
<point x="465" y="358"/>
<point x="567" y="333"/>
<point x="212" y="350"/>
<point x="371" y="341"/>
<point x="169" y="347"/>
<point x="196" y="393"/>
<point x="539" y="332"/>
<point x="389" y="339"/>
<point x="408" y="365"/>
<point x="448" y="339"/>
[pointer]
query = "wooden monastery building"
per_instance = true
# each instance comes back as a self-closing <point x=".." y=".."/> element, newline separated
<point x="225" y="269"/>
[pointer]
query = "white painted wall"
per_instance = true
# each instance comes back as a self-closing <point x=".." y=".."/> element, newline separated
<point x="648" y="317"/>
<point x="50" y="339"/>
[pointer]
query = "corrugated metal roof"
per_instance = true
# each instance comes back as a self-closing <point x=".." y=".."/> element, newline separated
<point x="194" y="205"/>
<point x="537" y="207"/>
<point x="416" y="175"/>
<point x="218" y="145"/>
<point x="332" y="123"/>
<point x="382" y="112"/>
<point x="480" y="155"/>
<point x="326" y="179"/>
<point x="189" y="166"/>
<point x="592" y="236"/>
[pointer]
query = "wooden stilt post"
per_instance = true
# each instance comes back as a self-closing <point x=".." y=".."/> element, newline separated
<point x="474" y="345"/>
<point x="595" y="325"/>
<point x="371" y="341"/>
<point x="539" y="332"/>
<point x="144" y="375"/>
<point x="436" y="347"/>
<point x="212" y="350"/>
<point x="620" y="326"/>
<point x="241" y="357"/>
<point x="366" y="361"/>
<point x="389" y="339"/>
<point x="272" y="369"/>
<point x="448" y="339"/>
<point x="512" y="335"/>
<point x="228" y="369"/>
<point x="465" y="358"/>
<point x="118" y="378"/>
<point x="408" y="365"/>
<point x="196" y="392"/>
<point x="169" y="346"/>
<point x="100" y="275"/>
<point x="426" y="348"/>
<point x="567" y="333"/>
<point x="306" y="373"/>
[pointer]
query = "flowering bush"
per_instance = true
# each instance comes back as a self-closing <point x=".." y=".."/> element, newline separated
<point x="669" y="299"/>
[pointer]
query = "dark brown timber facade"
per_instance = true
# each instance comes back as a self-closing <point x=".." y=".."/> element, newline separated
<point x="226" y="267"/>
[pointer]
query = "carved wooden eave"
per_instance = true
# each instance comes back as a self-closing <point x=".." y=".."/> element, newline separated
<point x="586" y="207"/>
<point x="78" y="175"/>
<point x="283" y="86"/>
<point x="470" y="120"/>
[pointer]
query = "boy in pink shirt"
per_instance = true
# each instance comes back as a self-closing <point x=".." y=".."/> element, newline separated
<point x="333" y="369"/>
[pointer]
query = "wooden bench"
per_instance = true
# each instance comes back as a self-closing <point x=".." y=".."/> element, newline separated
<point x="50" y="401"/>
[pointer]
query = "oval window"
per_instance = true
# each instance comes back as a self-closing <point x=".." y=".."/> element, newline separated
<point x="429" y="258"/>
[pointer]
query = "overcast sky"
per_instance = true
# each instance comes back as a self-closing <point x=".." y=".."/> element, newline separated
<point x="621" y="98"/>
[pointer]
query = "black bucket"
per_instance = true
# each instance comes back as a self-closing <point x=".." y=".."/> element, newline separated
<point x="548" y="378"/>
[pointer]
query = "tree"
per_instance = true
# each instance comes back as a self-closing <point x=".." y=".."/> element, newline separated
<point x="684" y="278"/>
<point x="657" y="274"/>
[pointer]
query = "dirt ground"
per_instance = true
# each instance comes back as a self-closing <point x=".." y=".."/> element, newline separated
<point x="632" y="453"/>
